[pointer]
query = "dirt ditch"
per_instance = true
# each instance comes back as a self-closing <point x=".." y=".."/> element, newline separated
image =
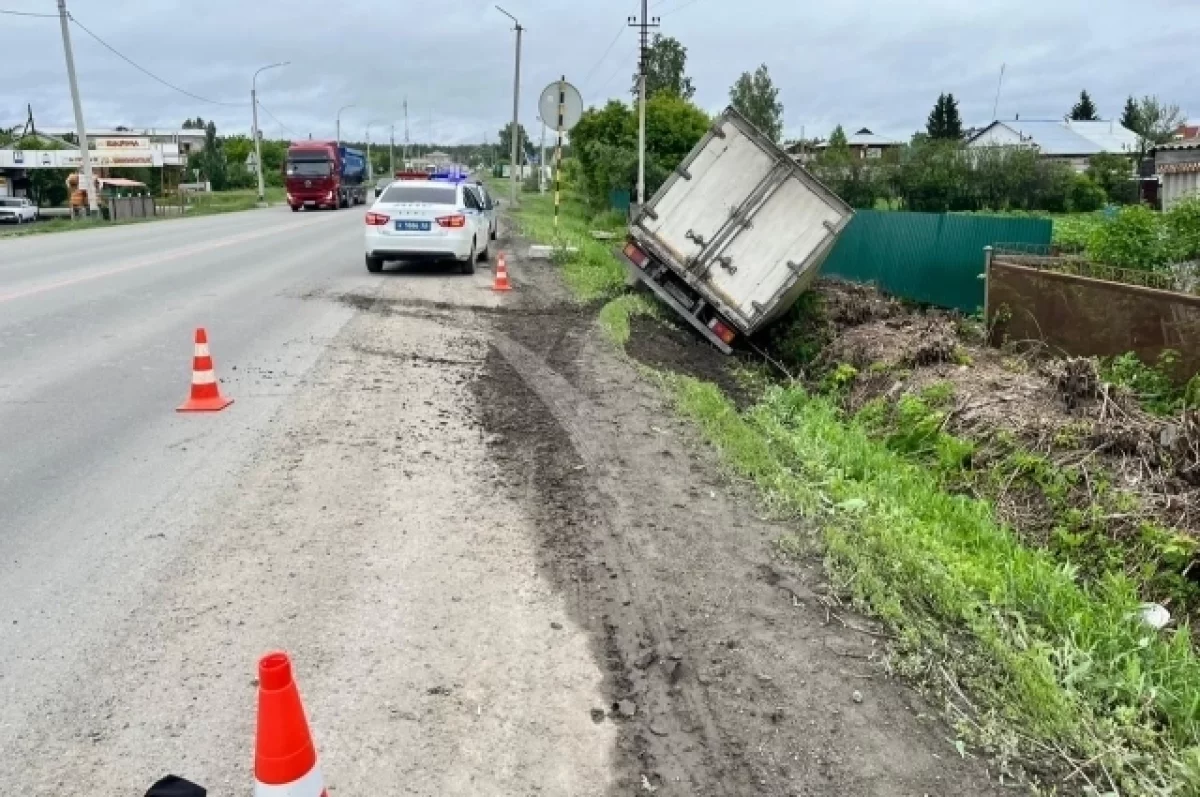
<point x="728" y="673"/>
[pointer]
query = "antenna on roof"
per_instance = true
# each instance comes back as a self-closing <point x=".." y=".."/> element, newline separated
<point x="996" y="104"/>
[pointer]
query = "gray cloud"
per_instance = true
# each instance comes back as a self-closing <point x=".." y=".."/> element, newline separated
<point x="875" y="63"/>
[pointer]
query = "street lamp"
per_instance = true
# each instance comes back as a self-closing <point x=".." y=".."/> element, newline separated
<point x="370" y="170"/>
<point x="257" y="143"/>
<point x="516" y="134"/>
<point x="339" y="121"/>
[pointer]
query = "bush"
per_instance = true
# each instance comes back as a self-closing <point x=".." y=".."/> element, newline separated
<point x="1183" y="226"/>
<point x="1114" y="173"/>
<point x="1085" y="195"/>
<point x="1136" y="238"/>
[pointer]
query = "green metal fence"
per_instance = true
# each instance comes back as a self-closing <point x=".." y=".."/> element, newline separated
<point x="936" y="258"/>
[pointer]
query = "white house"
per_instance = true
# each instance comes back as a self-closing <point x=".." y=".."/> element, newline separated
<point x="1065" y="140"/>
<point x="1177" y="166"/>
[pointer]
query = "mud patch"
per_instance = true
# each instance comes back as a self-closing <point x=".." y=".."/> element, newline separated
<point x="680" y="351"/>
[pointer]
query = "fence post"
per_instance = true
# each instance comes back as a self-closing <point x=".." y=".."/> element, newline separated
<point x="987" y="284"/>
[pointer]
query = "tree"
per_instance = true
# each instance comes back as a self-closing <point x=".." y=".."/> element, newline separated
<point x="666" y="62"/>
<point x="756" y="98"/>
<point x="944" y="121"/>
<point x="1156" y="123"/>
<point x="838" y="140"/>
<point x="1084" y="110"/>
<point x="211" y="161"/>
<point x="194" y="124"/>
<point x="605" y="143"/>
<point x="1129" y="118"/>
<point x="506" y="143"/>
<point x="1114" y="173"/>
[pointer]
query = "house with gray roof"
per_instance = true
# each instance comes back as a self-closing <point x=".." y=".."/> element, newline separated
<point x="1060" y="139"/>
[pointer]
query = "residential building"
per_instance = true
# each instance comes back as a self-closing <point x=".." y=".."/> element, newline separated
<point x="1064" y="140"/>
<point x="1177" y="166"/>
<point x="863" y="144"/>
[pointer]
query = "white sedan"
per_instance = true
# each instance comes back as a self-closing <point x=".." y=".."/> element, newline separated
<point x="17" y="210"/>
<point x="426" y="220"/>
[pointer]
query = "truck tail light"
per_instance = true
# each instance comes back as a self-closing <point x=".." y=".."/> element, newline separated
<point x="457" y="220"/>
<point x="636" y="255"/>
<point x="722" y="331"/>
<point x="376" y="219"/>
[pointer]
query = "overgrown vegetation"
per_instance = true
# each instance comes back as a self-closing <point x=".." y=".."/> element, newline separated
<point x="591" y="271"/>
<point x="1056" y="668"/>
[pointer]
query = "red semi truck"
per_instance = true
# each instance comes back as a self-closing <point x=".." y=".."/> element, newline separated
<point x="324" y="174"/>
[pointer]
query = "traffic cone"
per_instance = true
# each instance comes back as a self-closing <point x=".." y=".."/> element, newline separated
<point x="501" y="283"/>
<point x="206" y="395"/>
<point x="285" y="761"/>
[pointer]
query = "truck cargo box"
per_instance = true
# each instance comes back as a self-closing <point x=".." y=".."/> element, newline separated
<point x="736" y="233"/>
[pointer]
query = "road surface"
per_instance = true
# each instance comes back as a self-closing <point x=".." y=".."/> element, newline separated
<point x="499" y="564"/>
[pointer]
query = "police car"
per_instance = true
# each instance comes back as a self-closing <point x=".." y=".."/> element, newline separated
<point x="437" y="218"/>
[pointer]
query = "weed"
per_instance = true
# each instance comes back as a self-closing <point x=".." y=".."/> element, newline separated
<point x="1066" y="666"/>
<point x="592" y="271"/>
<point x="616" y="315"/>
<point x="1152" y="384"/>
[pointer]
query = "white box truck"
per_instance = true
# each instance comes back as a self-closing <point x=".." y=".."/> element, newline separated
<point x="736" y="233"/>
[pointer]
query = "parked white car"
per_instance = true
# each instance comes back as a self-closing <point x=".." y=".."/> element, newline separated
<point x="490" y="211"/>
<point x="426" y="220"/>
<point x="18" y="210"/>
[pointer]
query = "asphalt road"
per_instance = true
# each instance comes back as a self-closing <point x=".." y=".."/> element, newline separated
<point x="96" y="332"/>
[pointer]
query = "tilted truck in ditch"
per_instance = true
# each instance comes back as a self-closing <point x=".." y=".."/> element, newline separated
<point x="736" y="234"/>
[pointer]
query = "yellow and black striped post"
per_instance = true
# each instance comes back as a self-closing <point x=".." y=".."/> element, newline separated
<point x="562" y="109"/>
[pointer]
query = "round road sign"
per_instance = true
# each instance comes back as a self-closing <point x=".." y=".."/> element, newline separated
<point x="572" y="103"/>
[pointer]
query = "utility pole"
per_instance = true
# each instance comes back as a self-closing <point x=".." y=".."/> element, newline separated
<point x="370" y="168"/>
<point x="406" y="132"/>
<point x="339" y="122"/>
<point x="542" y="160"/>
<point x="392" y="152"/>
<point x="257" y="137"/>
<point x="644" y="25"/>
<point x="80" y="130"/>
<point x="516" y="126"/>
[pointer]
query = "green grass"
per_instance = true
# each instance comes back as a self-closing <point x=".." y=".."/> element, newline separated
<point x="616" y="315"/>
<point x="1056" y="669"/>
<point x="593" y="271"/>
<point x="202" y="205"/>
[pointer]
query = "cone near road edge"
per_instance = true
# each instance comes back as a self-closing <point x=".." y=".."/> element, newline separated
<point x="206" y="393"/>
<point x="285" y="760"/>
<point x="501" y="283"/>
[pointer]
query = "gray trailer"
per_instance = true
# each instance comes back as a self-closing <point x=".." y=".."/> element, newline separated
<point x="736" y="234"/>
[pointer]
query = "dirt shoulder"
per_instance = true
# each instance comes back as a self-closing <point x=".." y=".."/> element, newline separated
<point x="726" y="672"/>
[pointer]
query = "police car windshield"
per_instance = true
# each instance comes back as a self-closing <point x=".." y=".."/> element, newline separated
<point x="426" y="193"/>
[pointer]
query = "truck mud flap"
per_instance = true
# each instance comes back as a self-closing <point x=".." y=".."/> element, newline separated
<point x="665" y="296"/>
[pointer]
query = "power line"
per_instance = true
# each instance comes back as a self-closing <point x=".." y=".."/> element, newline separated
<point x="26" y="13"/>
<point x="607" y="50"/>
<point x="680" y="7"/>
<point x="147" y="72"/>
<point x="620" y="66"/>
<point x="263" y="108"/>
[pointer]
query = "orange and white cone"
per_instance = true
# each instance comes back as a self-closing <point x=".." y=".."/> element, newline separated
<point x="501" y="283"/>
<point x="206" y="394"/>
<point x="285" y="760"/>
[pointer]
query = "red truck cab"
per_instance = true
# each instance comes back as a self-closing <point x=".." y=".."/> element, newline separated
<point x="322" y="174"/>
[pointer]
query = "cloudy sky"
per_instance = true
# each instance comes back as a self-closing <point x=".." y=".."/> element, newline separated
<point x="872" y="63"/>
